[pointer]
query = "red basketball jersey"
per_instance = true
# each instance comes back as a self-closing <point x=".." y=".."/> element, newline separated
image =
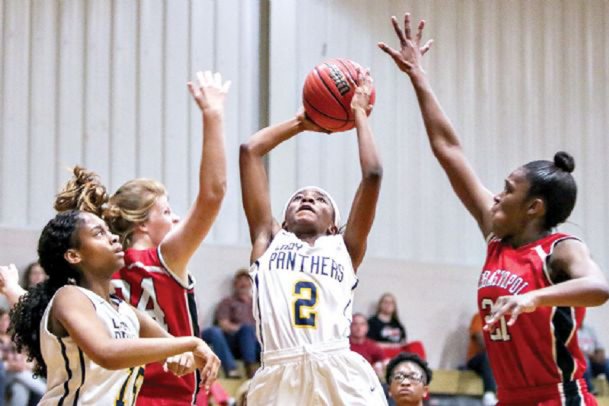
<point x="538" y="358"/>
<point x="149" y="286"/>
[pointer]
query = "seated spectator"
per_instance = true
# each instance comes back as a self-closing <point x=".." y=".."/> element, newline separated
<point x="234" y="334"/>
<point x="20" y="385"/>
<point x="33" y="275"/>
<point x="408" y="377"/>
<point x="386" y="329"/>
<point x="595" y="355"/>
<point x="364" y="346"/>
<point x="385" y="325"/>
<point x="477" y="361"/>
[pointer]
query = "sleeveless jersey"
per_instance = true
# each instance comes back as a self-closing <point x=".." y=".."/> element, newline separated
<point x="538" y="357"/>
<point x="302" y="294"/>
<point x="72" y="378"/>
<point x="148" y="285"/>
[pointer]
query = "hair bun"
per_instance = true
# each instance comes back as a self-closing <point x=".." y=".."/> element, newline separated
<point x="564" y="161"/>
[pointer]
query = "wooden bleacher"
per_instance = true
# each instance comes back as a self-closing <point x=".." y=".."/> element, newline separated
<point x="467" y="383"/>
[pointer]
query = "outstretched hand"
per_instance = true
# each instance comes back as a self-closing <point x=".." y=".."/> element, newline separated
<point x="210" y="91"/>
<point x="409" y="56"/>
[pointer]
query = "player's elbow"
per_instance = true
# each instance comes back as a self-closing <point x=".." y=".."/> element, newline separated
<point x="373" y="174"/>
<point x="603" y="292"/>
<point x="107" y="360"/>
<point x="213" y="194"/>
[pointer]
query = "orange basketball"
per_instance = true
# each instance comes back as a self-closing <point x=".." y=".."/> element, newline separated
<point x="327" y="94"/>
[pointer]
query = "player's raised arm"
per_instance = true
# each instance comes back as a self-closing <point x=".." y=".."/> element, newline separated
<point x="443" y="139"/>
<point x="363" y="208"/>
<point x="180" y="244"/>
<point x="254" y="180"/>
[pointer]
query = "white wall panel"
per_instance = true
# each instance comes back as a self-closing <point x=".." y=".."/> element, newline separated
<point x="43" y="108"/>
<point x="103" y="84"/>
<point x="15" y="117"/>
<point x="123" y="92"/>
<point x="70" y="94"/>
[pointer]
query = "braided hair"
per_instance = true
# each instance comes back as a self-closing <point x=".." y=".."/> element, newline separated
<point x="59" y="235"/>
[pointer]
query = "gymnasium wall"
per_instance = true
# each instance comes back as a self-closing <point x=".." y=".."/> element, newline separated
<point x="102" y="83"/>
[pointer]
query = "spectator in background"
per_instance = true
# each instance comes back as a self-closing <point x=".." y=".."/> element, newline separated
<point x="477" y="361"/>
<point x="33" y="275"/>
<point x="388" y="331"/>
<point x="364" y="346"/>
<point x="18" y="383"/>
<point x="595" y="355"/>
<point x="385" y="325"/>
<point x="408" y="377"/>
<point x="234" y="334"/>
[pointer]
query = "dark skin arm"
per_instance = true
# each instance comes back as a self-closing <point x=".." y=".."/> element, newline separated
<point x="363" y="208"/>
<point x="585" y="285"/>
<point x="443" y="139"/>
<point x="254" y="180"/>
<point x="73" y="314"/>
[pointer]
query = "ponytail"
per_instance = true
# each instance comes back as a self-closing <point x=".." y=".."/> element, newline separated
<point x="58" y="236"/>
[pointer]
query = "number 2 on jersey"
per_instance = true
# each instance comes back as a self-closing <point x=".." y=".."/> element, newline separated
<point x="501" y="330"/>
<point x="305" y="293"/>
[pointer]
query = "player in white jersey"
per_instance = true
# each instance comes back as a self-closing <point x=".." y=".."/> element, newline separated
<point x="304" y="275"/>
<point x="92" y="347"/>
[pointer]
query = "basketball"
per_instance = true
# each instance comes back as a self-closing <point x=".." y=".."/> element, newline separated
<point x="327" y="94"/>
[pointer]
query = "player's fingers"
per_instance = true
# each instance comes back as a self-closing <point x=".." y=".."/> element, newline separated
<point x="420" y="31"/>
<point x="426" y="47"/>
<point x="201" y="79"/>
<point x="181" y="365"/>
<point x="398" y="30"/>
<point x="213" y="373"/>
<point x="218" y="79"/>
<point x="194" y="90"/>
<point x="390" y="51"/>
<point x="205" y="374"/>
<point x="514" y="316"/>
<point x="209" y="78"/>
<point x="407" y="31"/>
<point x="226" y="86"/>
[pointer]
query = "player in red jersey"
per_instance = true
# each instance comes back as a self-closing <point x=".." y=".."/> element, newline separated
<point x="541" y="278"/>
<point x="157" y="245"/>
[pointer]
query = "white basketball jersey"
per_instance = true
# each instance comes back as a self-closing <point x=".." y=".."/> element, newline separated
<point x="303" y="294"/>
<point x="73" y="379"/>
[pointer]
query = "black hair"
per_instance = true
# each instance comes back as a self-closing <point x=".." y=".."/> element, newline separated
<point x="59" y="235"/>
<point x="553" y="182"/>
<point x="407" y="357"/>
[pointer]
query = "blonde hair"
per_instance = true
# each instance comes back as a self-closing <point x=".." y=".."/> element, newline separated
<point x="130" y="205"/>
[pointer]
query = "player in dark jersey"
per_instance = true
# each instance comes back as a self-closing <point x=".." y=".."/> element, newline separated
<point x="158" y="246"/>
<point x="541" y="278"/>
